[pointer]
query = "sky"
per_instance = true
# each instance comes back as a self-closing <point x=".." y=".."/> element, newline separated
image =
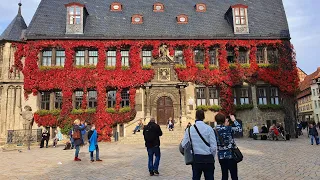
<point x="301" y="14"/>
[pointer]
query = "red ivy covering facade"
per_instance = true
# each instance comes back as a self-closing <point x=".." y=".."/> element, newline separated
<point x="71" y="78"/>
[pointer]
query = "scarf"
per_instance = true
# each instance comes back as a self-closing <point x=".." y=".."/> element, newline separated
<point x="93" y="141"/>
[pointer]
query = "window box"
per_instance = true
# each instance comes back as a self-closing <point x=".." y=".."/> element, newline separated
<point x="111" y="110"/>
<point x="110" y="67"/>
<point x="271" y="66"/>
<point x="213" y="67"/>
<point x="47" y="68"/>
<point x="245" y="66"/>
<point x="125" y="109"/>
<point x="147" y="67"/>
<point x="232" y="66"/>
<point x="200" y="66"/>
<point x="86" y="66"/>
<point x="180" y="66"/>
<point x="215" y="108"/>
<point x="243" y="107"/>
<point x="82" y="111"/>
<point x="43" y="112"/>
<point x="125" y="67"/>
<point x="202" y="107"/>
<point x="270" y="106"/>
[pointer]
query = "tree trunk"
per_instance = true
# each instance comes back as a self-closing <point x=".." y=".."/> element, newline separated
<point x="289" y="105"/>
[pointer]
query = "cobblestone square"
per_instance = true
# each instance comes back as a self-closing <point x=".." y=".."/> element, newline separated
<point x="264" y="160"/>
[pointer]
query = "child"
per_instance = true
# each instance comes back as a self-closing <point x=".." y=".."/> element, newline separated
<point x="93" y="143"/>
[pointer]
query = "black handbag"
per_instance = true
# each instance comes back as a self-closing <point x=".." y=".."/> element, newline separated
<point x="235" y="151"/>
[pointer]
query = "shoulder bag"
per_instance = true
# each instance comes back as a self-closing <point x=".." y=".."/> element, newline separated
<point x="188" y="151"/>
<point x="235" y="151"/>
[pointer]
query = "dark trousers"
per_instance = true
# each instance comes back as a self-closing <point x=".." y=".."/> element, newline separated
<point x="229" y="165"/>
<point x="42" y="142"/>
<point x="155" y="151"/>
<point x="206" y="168"/>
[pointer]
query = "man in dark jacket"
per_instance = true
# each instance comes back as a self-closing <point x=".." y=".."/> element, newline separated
<point x="45" y="137"/>
<point x="151" y="133"/>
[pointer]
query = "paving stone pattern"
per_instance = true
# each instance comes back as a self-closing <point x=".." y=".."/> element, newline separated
<point x="264" y="160"/>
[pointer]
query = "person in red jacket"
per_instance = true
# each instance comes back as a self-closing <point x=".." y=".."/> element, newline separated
<point x="274" y="131"/>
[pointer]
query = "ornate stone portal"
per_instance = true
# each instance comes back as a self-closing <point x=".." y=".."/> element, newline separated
<point x="164" y="96"/>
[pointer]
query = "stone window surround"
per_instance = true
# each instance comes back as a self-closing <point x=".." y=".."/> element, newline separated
<point x="53" y="56"/>
<point x="238" y="97"/>
<point x="52" y="100"/>
<point x="268" y="94"/>
<point x="206" y="94"/>
<point x="86" y="56"/>
<point x="240" y="21"/>
<point x="74" y="5"/>
<point x="125" y="98"/>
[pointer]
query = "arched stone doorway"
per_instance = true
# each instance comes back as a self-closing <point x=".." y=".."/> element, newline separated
<point x="164" y="110"/>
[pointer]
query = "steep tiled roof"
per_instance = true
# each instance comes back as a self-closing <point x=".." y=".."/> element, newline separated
<point x="306" y="84"/>
<point x="15" y="29"/>
<point x="267" y="19"/>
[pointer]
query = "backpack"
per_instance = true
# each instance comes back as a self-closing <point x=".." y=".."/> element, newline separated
<point x="76" y="134"/>
<point x="149" y="134"/>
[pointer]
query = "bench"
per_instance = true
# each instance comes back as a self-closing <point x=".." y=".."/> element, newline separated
<point x="269" y="136"/>
<point x="260" y="135"/>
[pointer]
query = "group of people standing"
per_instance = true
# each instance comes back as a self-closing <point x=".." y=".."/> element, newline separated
<point x="205" y="141"/>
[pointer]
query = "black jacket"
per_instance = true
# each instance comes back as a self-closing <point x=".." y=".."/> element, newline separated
<point x="156" y="130"/>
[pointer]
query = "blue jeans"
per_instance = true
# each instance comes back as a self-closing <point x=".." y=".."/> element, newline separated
<point x="77" y="151"/>
<point x="206" y="168"/>
<point x="315" y="138"/>
<point x="153" y="151"/>
<point x="97" y="153"/>
<point x="72" y="142"/>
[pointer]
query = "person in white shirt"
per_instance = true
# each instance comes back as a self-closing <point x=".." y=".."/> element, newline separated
<point x="255" y="129"/>
<point x="204" y="149"/>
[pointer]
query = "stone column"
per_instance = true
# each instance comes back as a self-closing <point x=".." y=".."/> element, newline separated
<point x="148" y="103"/>
<point x="183" y="114"/>
<point x="255" y="109"/>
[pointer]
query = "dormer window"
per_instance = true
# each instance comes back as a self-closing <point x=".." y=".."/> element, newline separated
<point x="137" y="19"/>
<point x="182" y="19"/>
<point x="74" y="15"/>
<point x="201" y="7"/>
<point x="75" y="20"/>
<point x="240" y="17"/>
<point x="237" y="16"/>
<point x="116" y="6"/>
<point x="158" y="7"/>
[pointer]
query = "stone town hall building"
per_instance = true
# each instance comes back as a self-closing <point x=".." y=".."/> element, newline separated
<point x="149" y="59"/>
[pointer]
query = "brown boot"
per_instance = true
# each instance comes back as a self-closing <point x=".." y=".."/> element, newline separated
<point x="77" y="159"/>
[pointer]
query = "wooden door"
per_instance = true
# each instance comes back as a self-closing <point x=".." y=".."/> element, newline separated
<point x="164" y="110"/>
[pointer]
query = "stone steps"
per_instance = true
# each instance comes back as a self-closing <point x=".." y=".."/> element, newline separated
<point x="168" y="137"/>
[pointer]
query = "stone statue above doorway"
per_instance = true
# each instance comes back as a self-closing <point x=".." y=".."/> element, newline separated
<point x="164" y="55"/>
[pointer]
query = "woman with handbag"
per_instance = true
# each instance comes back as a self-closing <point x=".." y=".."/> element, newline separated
<point x="76" y="135"/>
<point x="228" y="154"/>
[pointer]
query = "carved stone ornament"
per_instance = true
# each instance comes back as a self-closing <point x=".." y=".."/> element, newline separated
<point x="164" y="54"/>
<point x="164" y="74"/>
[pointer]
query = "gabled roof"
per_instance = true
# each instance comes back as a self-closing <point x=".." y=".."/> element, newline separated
<point x="305" y="86"/>
<point x="15" y="29"/>
<point x="267" y="20"/>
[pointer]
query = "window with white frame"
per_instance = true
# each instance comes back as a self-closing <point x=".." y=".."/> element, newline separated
<point x="80" y="58"/>
<point x="60" y="57"/>
<point x="199" y="56"/>
<point x="111" y="58"/>
<point x="125" y="98"/>
<point x="213" y="57"/>
<point x="272" y="55"/>
<point x="46" y="58"/>
<point x="45" y="100"/>
<point x="201" y="98"/>
<point x="58" y="100"/>
<point x="178" y="54"/>
<point x="260" y="55"/>
<point x="213" y="96"/>
<point x="93" y="58"/>
<point x="244" y="96"/>
<point x="274" y="95"/>
<point x="125" y="58"/>
<point x="111" y="96"/>
<point x="262" y="96"/>
<point x="78" y="99"/>
<point x="240" y="16"/>
<point x="146" y="57"/>
<point x="92" y="99"/>
<point x="74" y="15"/>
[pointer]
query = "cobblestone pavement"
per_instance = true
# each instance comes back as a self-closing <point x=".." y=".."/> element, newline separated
<point x="264" y="160"/>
